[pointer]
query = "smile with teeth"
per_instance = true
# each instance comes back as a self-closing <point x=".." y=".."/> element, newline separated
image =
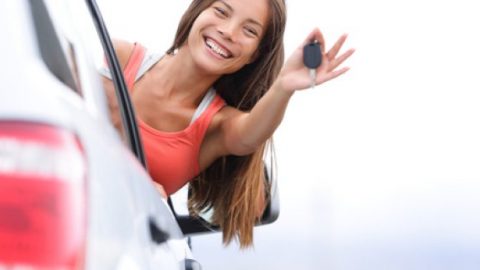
<point x="217" y="49"/>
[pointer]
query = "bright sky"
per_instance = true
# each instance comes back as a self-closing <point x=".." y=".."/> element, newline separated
<point x="379" y="169"/>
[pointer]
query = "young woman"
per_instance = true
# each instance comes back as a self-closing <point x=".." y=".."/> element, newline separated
<point x="207" y="108"/>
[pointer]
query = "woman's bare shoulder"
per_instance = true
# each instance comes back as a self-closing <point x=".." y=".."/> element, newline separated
<point x="213" y="145"/>
<point x="227" y="118"/>
<point x="123" y="50"/>
<point x="221" y="117"/>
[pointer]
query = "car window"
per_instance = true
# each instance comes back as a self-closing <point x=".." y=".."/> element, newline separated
<point x="56" y="49"/>
<point x="79" y="61"/>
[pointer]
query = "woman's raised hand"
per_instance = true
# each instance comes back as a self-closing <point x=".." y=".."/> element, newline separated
<point x="295" y="75"/>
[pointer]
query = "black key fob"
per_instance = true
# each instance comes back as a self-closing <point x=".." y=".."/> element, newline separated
<point x="312" y="56"/>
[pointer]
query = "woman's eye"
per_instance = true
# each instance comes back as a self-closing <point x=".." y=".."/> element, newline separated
<point x="220" y="11"/>
<point x="251" y="31"/>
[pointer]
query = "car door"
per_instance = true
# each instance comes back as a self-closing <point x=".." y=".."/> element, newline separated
<point x="125" y="223"/>
<point x="162" y="243"/>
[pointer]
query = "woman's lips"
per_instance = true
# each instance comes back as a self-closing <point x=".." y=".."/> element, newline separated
<point x="217" y="48"/>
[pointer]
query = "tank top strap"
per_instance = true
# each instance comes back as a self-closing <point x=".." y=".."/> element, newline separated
<point x="133" y="64"/>
<point x="204" y="120"/>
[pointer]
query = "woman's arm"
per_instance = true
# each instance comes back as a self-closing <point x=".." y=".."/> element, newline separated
<point x="243" y="132"/>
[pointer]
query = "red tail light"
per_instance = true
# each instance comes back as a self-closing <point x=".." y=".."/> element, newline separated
<point x="42" y="197"/>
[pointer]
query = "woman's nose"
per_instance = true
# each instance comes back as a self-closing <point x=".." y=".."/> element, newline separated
<point x="228" y="30"/>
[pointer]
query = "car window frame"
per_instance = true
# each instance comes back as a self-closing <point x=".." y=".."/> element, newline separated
<point x="126" y="108"/>
<point x="57" y="56"/>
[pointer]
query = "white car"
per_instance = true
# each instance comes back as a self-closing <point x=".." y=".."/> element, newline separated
<point x="73" y="193"/>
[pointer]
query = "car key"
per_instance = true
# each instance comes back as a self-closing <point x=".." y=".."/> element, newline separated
<point x="312" y="59"/>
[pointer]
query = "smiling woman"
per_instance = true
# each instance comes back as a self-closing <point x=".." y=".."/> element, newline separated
<point x="208" y="107"/>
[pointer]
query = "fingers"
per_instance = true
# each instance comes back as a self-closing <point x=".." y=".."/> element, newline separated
<point x="329" y="71"/>
<point x="315" y="35"/>
<point x="332" y="53"/>
<point x="331" y="75"/>
<point x="339" y="60"/>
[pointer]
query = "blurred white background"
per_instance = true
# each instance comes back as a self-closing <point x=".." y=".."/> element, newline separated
<point x="378" y="169"/>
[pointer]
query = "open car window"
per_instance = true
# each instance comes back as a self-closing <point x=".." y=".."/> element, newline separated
<point x="64" y="53"/>
<point x="113" y="103"/>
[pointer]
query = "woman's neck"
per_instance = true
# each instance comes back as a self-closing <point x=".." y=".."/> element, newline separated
<point x="182" y="79"/>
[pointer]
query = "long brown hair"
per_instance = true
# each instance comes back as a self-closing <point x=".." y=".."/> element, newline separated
<point x="232" y="185"/>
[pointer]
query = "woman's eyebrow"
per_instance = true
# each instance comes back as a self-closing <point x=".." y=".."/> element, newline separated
<point x="255" y="22"/>
<point x="227" y="5"/>
<point x="231" y="10"/>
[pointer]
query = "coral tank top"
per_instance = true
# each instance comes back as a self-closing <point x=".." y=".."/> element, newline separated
<point x="172" y="157"/>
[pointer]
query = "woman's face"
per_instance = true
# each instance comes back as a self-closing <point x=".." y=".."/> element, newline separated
<point x="226" y="35"/>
